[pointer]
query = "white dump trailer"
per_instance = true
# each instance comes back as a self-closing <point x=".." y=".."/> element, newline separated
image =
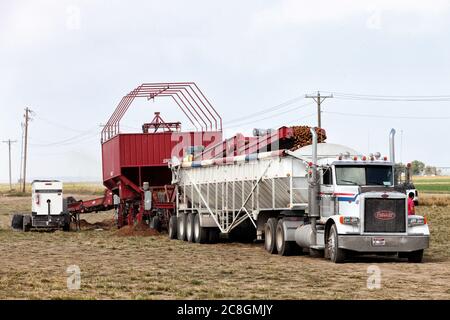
<point x="322" y="199"/>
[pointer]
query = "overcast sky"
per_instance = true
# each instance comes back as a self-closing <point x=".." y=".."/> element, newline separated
<point x="72" y="61"/>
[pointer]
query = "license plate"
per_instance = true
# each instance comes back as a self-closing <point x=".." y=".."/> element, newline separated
<point x="376" y="242"/>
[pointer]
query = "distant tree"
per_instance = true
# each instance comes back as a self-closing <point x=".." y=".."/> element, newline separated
<point x="430" y="170"/>
<point x="417" y="167"/>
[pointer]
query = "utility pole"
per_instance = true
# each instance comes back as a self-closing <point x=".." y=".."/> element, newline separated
<point x="21" y="153"/>
<point x="9" y="141"/>
<point x="27" y="119"/>
<point x="318" y="99"/>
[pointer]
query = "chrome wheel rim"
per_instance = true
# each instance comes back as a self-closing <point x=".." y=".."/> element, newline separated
<point x="279" y="237"/>
<point x="189" y="228"/>
<point x="268" y="239"/>
<point x="196" y="229"/>
<point x="332" y="244"/>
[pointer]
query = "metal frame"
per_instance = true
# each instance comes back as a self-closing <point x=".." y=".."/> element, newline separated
<point x="187" y="95"/>
<point x="234" y="200"/>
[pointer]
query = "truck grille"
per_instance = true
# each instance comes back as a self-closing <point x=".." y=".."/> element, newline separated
<point x="384" y="215"/>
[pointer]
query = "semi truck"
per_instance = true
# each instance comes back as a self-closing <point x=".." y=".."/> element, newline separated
<point x="48" y="208"/>
<point x="323" y="199"/>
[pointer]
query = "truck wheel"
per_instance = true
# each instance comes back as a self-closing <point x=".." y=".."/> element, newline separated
<point x="336" y="254"/>
<point x="201" y="234"/>
<point x="66" y="227"/>
<point x="155" y="223"/>
<point x="181" y="226"/>
<point x="17" y="222"/>
<point x="26" y="225"/>
<point x="415" y="256"/>
<point x="284" y="248"/>
<point x="213" y="235"/>
<point x="190" y="227"/>
<point x="269" y="235"/>
<point x="173" y="227"/>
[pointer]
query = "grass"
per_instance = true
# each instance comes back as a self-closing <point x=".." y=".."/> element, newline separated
<point x="33" y="266"/>
<point x="433" y="188"/>
<point x="79" y="188"/>
<point x="437" y="184"/>
<point x="442" y="200"/>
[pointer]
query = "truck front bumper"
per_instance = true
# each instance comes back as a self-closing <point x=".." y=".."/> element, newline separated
<point x="381" y="243"/>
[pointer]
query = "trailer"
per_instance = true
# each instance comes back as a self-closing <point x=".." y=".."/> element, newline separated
<point x="325" y="199"/>
<point x="48" y="208"/>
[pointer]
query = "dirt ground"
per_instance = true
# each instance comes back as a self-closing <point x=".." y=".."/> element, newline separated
<point x="34" y="266"/>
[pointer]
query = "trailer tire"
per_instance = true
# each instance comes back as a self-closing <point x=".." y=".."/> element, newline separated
<point x="66" y="227"/>
<point x="17" y="222"/>
<point x="269" y="235"/>
<point x="201" y="234"/>
<point x="284" y="248"/>
<point x="181" y="226"/>
<point x="213" y="235"/>
<point x="190" y="227"/>
<point x="415" y="256"/>
<point x="173" y="227"/>
<point x="26" y="224"/>
<point x="155" y="223"/>
<point x="336" y="254"/>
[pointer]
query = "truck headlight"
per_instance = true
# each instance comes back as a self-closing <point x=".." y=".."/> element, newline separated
<point x="348" y="220"/>
<point x="416" y="221"/>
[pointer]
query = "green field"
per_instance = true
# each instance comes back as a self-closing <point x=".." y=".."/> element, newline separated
<point x="433" y="188"/>
<point x="432" y="184"/>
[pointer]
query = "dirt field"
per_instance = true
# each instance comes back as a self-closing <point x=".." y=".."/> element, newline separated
<point x="33" y="266"/>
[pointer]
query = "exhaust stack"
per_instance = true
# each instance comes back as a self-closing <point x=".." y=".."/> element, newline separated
<point x="392" y="146"/>
<point x="314" y="209"/>
<point x="306" y="234"/>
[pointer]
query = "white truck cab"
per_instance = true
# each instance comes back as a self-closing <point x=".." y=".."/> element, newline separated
<point x="357" y="196"/>
<point x="359" y="209"/>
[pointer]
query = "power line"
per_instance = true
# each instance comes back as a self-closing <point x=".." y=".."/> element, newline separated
<point x="74" y="139"/>
<point x="373" y="97"/>
<point x="386" y="117"/>
<point x="267" y="110"/>
<point x="297" y="119"/>
<point x="9" y="142"/>
<point x="39" y="117"/>
<point x="271" y="116"/>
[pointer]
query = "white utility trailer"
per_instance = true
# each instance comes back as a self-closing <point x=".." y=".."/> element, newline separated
<point x="323" y="198"/>
<point x="48" y="208"/>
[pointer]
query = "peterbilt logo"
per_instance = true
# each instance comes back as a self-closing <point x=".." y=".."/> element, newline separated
<point x="384" y="215"/>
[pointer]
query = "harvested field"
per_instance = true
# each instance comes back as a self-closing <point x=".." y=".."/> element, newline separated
<point x="436" y="200"/>
<point x="33" y="266"/>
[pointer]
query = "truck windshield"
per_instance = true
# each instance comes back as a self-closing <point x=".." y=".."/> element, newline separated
<point x="364" y="175"/>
